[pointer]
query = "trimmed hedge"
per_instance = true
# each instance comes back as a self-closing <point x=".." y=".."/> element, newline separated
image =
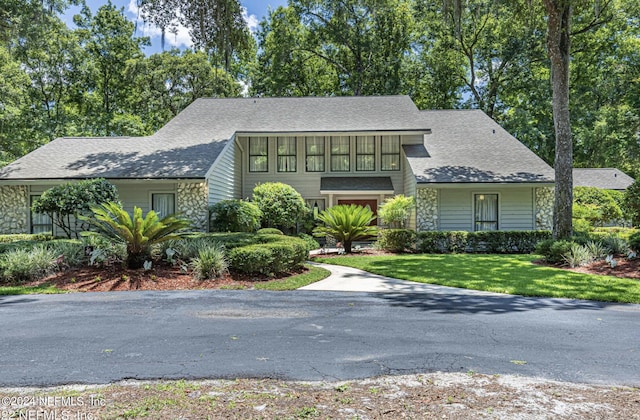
<point x="396" y="240"/>
<point x="263" y="253"/>
<point x="490" y="242"/>
<point x="25" y="237"/>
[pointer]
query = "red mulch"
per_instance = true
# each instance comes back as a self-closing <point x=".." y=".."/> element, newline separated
<point x="160" y="277"/>
<point x="626" y="268"/>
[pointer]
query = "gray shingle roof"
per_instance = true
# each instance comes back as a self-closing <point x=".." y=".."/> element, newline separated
<point x="374" y="183"/>
<point x="189" y="144"/>
<point x="606" y="178"/>
<point x="466" y="146"/>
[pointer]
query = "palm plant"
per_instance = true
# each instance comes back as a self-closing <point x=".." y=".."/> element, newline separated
<point x="112" y="222"/>
<point x="346" y="223"/>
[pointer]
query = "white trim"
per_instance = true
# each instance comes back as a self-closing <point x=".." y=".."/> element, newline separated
<point x="358" y="192"/>
<point x="175" y="198"/>
<point x="330" y="133"/>
<point x="454" y="185"/>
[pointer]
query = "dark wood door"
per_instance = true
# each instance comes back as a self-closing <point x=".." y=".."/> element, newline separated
<point x="373" y="205"/>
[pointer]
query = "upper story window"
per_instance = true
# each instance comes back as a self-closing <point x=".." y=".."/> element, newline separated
<point x="365" y="153"/>
<point x="390" y="153"/>
<point x="486" y="211"/>
<point x="287" y="154"/>
<point x="314" y="154"/>
<point x="258" y="154"/>
<point x="340" y="151"/>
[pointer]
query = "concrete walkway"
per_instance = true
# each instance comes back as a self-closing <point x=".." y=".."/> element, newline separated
<point x="347" y="279"/>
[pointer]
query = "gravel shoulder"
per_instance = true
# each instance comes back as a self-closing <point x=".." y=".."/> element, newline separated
<point x="434" y="395"/>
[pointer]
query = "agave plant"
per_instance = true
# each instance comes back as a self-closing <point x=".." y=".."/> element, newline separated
<point x="112" y="222"/>
<point x="346" y="223"/>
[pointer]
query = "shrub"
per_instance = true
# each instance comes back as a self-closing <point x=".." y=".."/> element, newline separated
<point x="234" y="216"/>
<point x="595" y="205"/>
<point x="65" y="203"/>
<point x="439" y="242"/>
<point x="270" y="231"/>
<point x="139" y="234"/>
<point x="634" y="242"/>
<point x="596" y="249"/>
<point x="25" y="265"/>
<point x="395" y="211"/>
<point x="309" y="241"/>
<point x="281" y="205"/>
<point x="632" y="202"/>
<point x="17" y="237"/>
<point x="396" y="240"/>
<point x="210" y="262"/>
<point x="273" y="254"/>
<point x="553" y="251"/>
<point x="577" y="255"/>
<point x="104" y="251"/>
<point x="69" y="253"/>
<point x="615" y="244"/>
<point x="251" y="259"/>
<point x="346" y="223"/>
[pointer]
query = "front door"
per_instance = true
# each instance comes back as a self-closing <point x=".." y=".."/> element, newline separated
<point x="373" y="205"/>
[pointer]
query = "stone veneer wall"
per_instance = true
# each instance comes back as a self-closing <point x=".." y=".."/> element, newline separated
<point x="427" y="209"/>
<point x="544" y="198"/>
<point x="14" y="209"/>
<point x="192" y="201"/>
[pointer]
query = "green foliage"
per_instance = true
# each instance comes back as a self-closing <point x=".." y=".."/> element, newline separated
<point x="308" y="239"/>
<point x="577" y="255"/>
<point x="634" y="242"/>
<point x="281" y="205"/>
<point x="396" y="240"/>
<point x="27" y="264"/>
<point x="346" y="223"/>
<point x="112" y="222"/>
<point x="269" y="231"/>
<point x="38" y="237"/>
<point x="210" y="263"/>
<point x="395" y="210"/>
<point x="553" y="251"/>
<point x="234" y="216"/>
<point x="595" y="205"/>
<point x="270" y="254"/>
<point x="69" y="253"/>
<point x="297" y="281"/>
<point x="513" y="274"/>
<point x="510" y="242"/>
<point x="616" y="245"/>
<point x="632" y="202"/>
<point x="65" y="203"/>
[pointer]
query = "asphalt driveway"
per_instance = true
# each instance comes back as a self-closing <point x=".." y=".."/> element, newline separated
<point x="310" y="335"/>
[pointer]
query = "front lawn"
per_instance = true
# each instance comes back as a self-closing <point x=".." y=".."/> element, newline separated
<point x="512" y="274"/>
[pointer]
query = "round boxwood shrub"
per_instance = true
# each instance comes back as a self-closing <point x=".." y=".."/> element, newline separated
<point x="281" y="205"/>
<point x="234" y="216"/>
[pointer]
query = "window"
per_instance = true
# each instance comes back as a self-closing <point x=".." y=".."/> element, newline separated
<point x="365" y="153"/>
<point x="316" y="205"/>
<point x="258" y="154"/>
<point x="287" y="154"/>
<point x="40" y="223"/>
<point x="390" y="153"/>
<point x="163" y="203"/>
<point x="315" y="154"/>
<point x="486" y="212"/>
<point x="340" y="154"/>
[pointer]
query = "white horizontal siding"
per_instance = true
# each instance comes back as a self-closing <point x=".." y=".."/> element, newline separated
<point x="223" y="180"/>
<point x="409" y="189"/>
<point x="517" y="209"/>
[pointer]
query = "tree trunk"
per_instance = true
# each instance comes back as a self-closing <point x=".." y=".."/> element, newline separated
<point x="558" y="45"/>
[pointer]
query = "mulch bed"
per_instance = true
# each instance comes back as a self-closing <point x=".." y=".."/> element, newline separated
<point x="160" y="277"/>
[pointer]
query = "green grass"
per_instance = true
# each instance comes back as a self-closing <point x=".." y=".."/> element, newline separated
<point x="291" y="283"/>
<point x="512" y="274"/>
<point x="29" y="290"/>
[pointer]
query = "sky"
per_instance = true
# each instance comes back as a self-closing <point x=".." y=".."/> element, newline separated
<point x="256" y="10"/>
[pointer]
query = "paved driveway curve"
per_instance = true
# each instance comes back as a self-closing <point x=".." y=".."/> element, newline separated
<point x="311" y="335"/>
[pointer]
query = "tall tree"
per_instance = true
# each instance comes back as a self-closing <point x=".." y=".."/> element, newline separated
<point x="108" y="39"/>
<point x="168" y="82"/>
<point x="559" y="16"/>
<point x="215" y="26"/>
